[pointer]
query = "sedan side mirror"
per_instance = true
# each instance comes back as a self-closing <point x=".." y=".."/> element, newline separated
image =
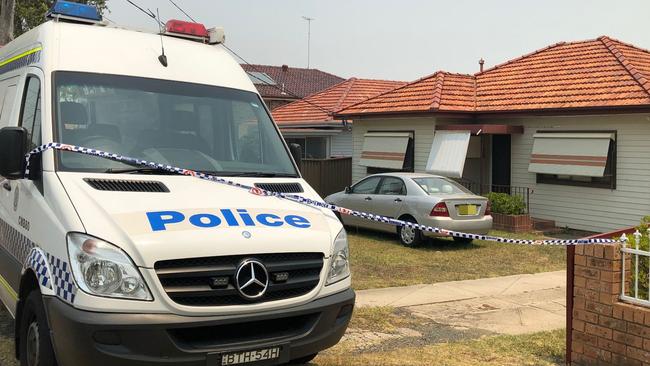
<point x="296" y="153"/>
<point x="348" y="190"/>
<point x="13" y="146"/>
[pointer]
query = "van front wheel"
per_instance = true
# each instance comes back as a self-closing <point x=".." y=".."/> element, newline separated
<point x="35" y="343"/>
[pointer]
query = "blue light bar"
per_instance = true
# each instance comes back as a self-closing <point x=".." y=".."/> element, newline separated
<point x="70" y="9"/>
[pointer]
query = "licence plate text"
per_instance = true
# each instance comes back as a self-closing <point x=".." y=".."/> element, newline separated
<point x="237" y="358"/>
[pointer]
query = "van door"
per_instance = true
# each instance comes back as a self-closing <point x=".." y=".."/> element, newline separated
<point x="18" y="197"/>
<point x="10" y="266"/>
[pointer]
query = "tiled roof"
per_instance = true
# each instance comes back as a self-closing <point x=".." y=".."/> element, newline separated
<point x="320" y="106"/>
<point x="301" y="82"/>
<point x="596" y="73"/>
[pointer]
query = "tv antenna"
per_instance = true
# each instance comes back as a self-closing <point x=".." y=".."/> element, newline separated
<point x="309" y="20"/>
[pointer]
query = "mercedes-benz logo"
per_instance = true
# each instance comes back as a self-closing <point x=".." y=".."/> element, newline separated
<point x="251" y="279"/>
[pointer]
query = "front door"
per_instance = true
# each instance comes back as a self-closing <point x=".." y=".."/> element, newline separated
<point x="501" y="159"/>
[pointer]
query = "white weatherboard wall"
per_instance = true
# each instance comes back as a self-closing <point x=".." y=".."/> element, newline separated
<point x="423" y="128"/>
<point x="592" y="209"/>
<point x="341" y="144"/>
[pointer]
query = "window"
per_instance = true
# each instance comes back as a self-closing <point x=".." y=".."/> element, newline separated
<point x="386" y="152"/>
<point x="575" y="158"/>
<point x="205" y="128"/>
<point x="7" y="102"/>
<point x="366" y="186"/>
<point x="392" y="186"/>
<point x="437" y="186"/>
<point x="312" y="147"/>
<point x="31" y="113"/>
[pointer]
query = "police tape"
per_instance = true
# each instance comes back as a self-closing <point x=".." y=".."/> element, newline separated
<point x="302" y="200"/>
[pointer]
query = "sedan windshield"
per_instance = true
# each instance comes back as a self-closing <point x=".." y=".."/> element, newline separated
<point x="205" y="128"/>
<point x="438" y="186"/>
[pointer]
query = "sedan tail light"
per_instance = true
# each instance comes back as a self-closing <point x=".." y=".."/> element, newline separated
<point x="488" y="209"/>
<point x="440" y="210"/>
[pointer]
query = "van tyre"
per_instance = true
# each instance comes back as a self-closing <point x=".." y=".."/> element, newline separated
<point x="35" y="343"/>
<point x="303" y="360"/>
<point x="408" y="236"/>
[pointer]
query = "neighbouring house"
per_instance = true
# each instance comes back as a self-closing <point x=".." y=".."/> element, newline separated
<point x="279" y="85"/>
<point x="309" y="122"/>
<point x="570" y="123"/>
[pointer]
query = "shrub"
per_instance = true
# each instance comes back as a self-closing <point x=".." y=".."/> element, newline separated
<point x="506" y="204"/>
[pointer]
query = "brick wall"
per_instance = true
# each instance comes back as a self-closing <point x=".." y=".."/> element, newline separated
<point x="605" y="330"/>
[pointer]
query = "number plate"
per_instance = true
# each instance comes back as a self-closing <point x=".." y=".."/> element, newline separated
<point x="467" y="210"/>
<point x="237" y="358"/>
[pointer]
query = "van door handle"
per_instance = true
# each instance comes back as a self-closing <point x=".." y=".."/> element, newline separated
<point x="398" y="200"/>
<point x="6" y="186"/>
<point x="368" y="198"/>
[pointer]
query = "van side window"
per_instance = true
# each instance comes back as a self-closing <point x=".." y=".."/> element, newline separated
<point x="31" y="114"/>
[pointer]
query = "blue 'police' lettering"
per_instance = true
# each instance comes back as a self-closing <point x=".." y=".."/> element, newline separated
<point x="159" y="219"/>
<point x="264" y="219"/>
<point x="162" y="220"/>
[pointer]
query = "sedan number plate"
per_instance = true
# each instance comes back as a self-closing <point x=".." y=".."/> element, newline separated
<point x="467" y="210"/>
<point x="237" y="358"/>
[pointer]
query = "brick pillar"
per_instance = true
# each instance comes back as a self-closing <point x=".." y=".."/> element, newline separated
<point x="605" y="330"/>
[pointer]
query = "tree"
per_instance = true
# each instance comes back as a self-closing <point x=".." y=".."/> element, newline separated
<point x="6" y="21"/>
<point x="30" y="13"/>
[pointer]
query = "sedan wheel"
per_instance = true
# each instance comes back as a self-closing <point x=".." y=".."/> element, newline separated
<point x="409" y="236"/>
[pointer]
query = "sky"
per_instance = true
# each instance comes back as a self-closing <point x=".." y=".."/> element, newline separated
<point x="399" y="39"/>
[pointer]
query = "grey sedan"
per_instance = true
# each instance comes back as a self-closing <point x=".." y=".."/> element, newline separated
<point x="422" y="198"/>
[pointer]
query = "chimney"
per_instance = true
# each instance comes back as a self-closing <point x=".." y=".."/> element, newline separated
<point x="481" y="62"/>
<point x="285" y="68"/>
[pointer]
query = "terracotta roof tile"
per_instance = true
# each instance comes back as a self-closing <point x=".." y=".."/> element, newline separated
<point x="299" y="81"/>
<point x="320" y="106"/>
<point x="596" y="73"/>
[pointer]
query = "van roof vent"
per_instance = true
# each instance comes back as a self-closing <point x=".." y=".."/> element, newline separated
<point x="281" y="187"/>
<point x="116" y="185"/>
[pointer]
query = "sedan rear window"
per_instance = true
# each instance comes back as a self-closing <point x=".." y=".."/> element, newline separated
<point x="434" y="186"/>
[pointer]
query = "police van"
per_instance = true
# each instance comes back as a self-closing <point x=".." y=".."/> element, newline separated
<point x="104" y="262"/>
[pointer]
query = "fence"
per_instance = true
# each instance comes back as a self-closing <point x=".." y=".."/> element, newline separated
<point x="483" y="189"/>
<point x="327" y="176"/>
<point x="638" y="279"/>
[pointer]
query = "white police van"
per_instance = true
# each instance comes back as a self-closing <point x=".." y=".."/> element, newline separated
<point x="104" y="263"/>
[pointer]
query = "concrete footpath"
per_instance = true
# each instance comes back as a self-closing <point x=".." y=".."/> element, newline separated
<point x="507" y="305"/>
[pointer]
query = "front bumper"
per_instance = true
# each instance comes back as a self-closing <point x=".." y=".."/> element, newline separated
<point x="473" y="226"/>
<point x="98" y="339"/>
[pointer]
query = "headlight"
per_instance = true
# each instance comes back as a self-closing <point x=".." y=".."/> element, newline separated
<point x="103" y="269"/>
<point x="339" y="263"/>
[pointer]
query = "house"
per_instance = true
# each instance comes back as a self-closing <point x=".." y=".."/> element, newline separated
<point x="570" y="122"/>
<point x="279" y="85"/>
<point x="310" y="123"/>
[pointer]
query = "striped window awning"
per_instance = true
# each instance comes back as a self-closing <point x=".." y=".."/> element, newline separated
<point x="384" y="149"/>
<point x="448" y="153"/>
<point x="573" y="154"/>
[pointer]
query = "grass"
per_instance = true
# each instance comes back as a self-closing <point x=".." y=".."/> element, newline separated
<point x="544" y="348"/>
<point x="379" y="260"/>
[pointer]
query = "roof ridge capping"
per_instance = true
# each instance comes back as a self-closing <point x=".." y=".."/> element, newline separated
<point x="610" y="44"/>
<point x="437" y="91"/>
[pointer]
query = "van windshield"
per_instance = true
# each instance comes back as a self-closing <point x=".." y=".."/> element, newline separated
<point x="205" y="128"/>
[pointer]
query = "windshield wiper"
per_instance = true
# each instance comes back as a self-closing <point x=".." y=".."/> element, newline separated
<point x="160" y="171"/>
<point x="253" y="174"/>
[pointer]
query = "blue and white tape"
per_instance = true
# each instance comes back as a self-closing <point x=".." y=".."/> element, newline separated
<point x="304" y="200"/>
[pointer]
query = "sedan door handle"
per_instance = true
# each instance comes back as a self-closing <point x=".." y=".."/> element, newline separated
<point x="6" y="186"/>
<point x="398" y="200"/>
<point x="368" y="198"/>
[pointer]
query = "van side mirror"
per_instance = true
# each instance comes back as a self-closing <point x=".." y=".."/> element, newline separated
<point x="13" y="147"/>
<point x="296" y="153"/>
<point x="348" y="190"/>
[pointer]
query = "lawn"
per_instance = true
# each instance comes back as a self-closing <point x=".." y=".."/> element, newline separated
<point x="378" y="260"/>
<point x="544" y="348"/>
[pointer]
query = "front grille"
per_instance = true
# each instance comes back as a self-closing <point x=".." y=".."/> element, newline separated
<point x="188" y="281"/>
<point x="117" y="185"/>
<point x="281" y="187"/>
<point x="216" y="336"/>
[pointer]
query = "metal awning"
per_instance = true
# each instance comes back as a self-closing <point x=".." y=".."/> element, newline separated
<point x="384" y="149"/>
<point x="448" y="153"/>
<point x="575" y="154"/>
